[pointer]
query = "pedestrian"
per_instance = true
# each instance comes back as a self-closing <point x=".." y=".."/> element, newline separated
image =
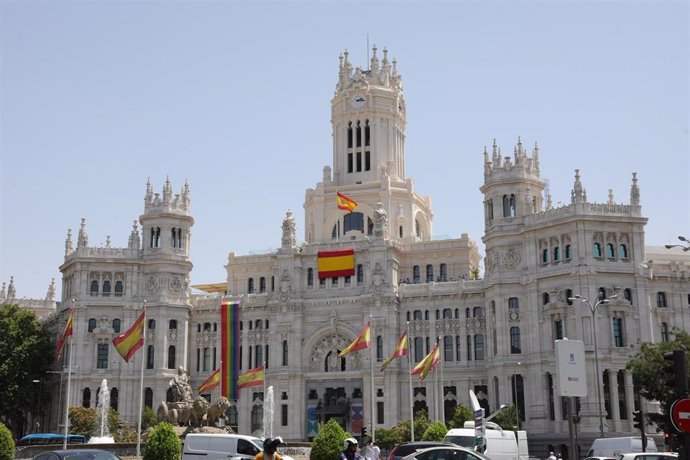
<point x="350" y="450"/>
<point x="551" y="456"/>
<point x="377" y="451"/>
<point x="270" y="447"/>
<point x="367" y="451"/>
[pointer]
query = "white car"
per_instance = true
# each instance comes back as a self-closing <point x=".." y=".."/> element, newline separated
<point x="447" y="453"/>
<point x="649" y="456"/>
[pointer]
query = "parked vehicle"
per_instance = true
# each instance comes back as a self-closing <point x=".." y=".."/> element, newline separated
<point x="611" y="447"/>
<point x="497" y="443"/>
<point x="649" y="456"/>
<point x="218" y="446"/>
<point x="446" y="453"/>
<point x="41" y="439"/>
<point x="406" y="448"/>
<point x="77" y="454"/>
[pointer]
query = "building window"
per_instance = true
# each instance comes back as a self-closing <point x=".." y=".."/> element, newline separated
<point x="379" y="412"/>
<point x="515" y="347"/>
<point x="285" y="353"/>
<point x="148" y="397"/>
<point x="478" y="347"/>
<point x="102" y="356"/>
<point x="664" y="332"/>
<point x="114" y="396"/>
<point x="172" y="324"/>
<point x="152" y="324"/>
<point x="627" y="295"/>
<point x="429" y="273"/>
<point x="661" y="299"/>
<point x="609" y="251"/>
<point x="118" y="288"/>
<point x="206" y="364"/>
<point x="415" y="274"/>
<point x="622" y="251"/>
<point x="94" y="287"/>
<point x="262" y="284"/>
<point x="116" y="325"/>
<point x="618" y="332"/>
<point x="150" y="357"/>
<point x="283" y="415"/>
<point x="443" y="269"/>
<point x="417" y="229"/>
<point x="360" y="273"/>
<point x="171" y="357"/>
<point x="448" y="348"/>
<point x="458" y="343"/>
<point x="86" y="397"/>
<point x="379" y="348"/>
<point x="106" y="288"/>
<point x="545" y="256"/>
<point x="256" y="418"/>
<point x="568" y="296"/>
<point x="545" y="298"/>
<point x="310" y="276"/>
<point x="418" y="348"/>
<point x="556" y="254"/>
<point x="568" y="252"/>
<point x="92" y="324"/>
<point x="349" y="138"/>
<point x="478" y="312"/>
<point x="258" y="355"/>
<point x="447" y="313"/>
<point x="558" y="329"/>
<point x="250" y="285"/>
<point x="596" y="250"/>
<point x="353" y="221"/>
<point x="469" y="348"/>
<point x="513" y="303"/>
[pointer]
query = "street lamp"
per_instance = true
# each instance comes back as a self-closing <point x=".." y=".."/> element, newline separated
<point x="685" y="246"/>
<point x="593" y="309"/>
<point x="517" y="399"/>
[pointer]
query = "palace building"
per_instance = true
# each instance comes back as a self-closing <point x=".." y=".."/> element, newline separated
<point x="495" y="329"/>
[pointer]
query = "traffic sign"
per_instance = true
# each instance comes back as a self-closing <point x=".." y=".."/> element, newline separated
<point x="680" y="415"/>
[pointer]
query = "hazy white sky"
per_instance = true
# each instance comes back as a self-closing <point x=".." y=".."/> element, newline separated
<point x="98" y="96"/>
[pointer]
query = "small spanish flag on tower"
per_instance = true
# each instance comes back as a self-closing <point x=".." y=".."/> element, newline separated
<point x="346" y="203"/>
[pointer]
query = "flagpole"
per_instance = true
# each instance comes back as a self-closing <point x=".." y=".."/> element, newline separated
<point x="443" y="390"/>
<point x="263" y="364"/>
<point x="69" y="381"/>
<point x="141" y="386"/>
<point x="409" y="374"/>
<point x="436" y="385"/>
<point x="373" y="431"/>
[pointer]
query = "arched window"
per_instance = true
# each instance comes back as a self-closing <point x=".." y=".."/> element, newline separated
<point x="609" y="251"/>
<point x="86" y="397"/>
<point x="506" y="206"/>
<point x="349" y="139"/>
<point x="568" y="296"/>
<point x="468" y="313"/>
<point x="92" y="324"/>
<point x="353" y="221"/>
<point x="490" y="209"/>
<point x="627" y="294"/>
<point x="250" y="285"/>
<point x="106" y="288"/>
<point x="513" y="206"/>
<point x="429" y="273"/>
<point x="447" y="313"/>
<point x="661" y="299"/>
<point x="513" y="303"/>
<point x="478" y="312"/>
<point x="262" y="284"/>
<point x="150" y="354"/>
<point x="478" y="347"/>
<point x="418" y="348"/>
<point x="568" y="252"/>
<point x="515" y="347"/>
<point x="438" y="314"/>
<point x="152" y="324"/>
<point x="102" y="356"/>
<point x="206" y="364"/>
<point x="601" y="293"/>
<point x="258" y="355"/>
<point x="258" y="324"/>
<point x="622" y="251"/>
<point x="457" y="313"/>
<point x="415" y="274"/>
<point x="443" y="269"/>
<point x="379" y="348"/>
<point x="94" y="287"/>
<point x="458" y="343"/>
<point x="469" y="348"/>
<point x="172" y="324"/>
<point x="545" y="298"/>
<point x="448" y="348"/>
<point x="544" y="256"/>
<point x="426" y="318"/>
<point x="358" y="134"/>
<point x="148" y="397"/>
<point x="335" y="231"/>
<point x="310" y="276"/>
<point x="119" y="287"/>
<point x="360" y="273"/>
<point x="370" y="226"/>
<point x="417" y="229"/>
<point x="556" y="254"/>
<point x="596" y="250"/>
<point x="116" y="325"/>
<point x="418" y="315"/>
<point x="155" y="237"/>
<point x="114" y="396"/>
<point x="400" y="231"/>
<point x="171" y="357"/>
<point x="367" y="135"/>
<point x="207" y="326"/>
<point x="285" y="352"/>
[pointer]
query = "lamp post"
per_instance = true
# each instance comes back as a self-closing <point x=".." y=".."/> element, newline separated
<point x="517" y="399"/>
<point x="35" y="420"/>
<point x="593" y="309"/>
<point x="685" y="246"/>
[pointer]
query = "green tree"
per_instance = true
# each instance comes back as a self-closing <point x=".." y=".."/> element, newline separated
<point x="6" y="443"/>
<point x="163" y="444"/>
<point x="461" y="414"/>
<point x="435" y="432"/>
<point x="647" y="366"/>
<point x="387" y="438"/>
<point x="26" y="356"/>
<point x="507" y="418"/>
<point x="82" y="420"/>
<point x="328" y="443"/>
<point x="148" y="418"/>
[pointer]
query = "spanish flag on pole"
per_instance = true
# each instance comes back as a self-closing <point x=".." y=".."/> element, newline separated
<point x="345" y="203"/>
<point x="362" y="341"/>
<point x="130" y="341"/>
<point x="65" y="334"/>
<point x="428" y="363"/>
<point x="400" y="350"/>
<point x="251" y="378"/>
<point x="211" y="382"/>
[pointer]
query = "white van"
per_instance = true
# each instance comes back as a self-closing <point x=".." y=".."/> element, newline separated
<point x="498" y="444"/>
<point x="611" y="447"/>
<point x="218" y="446"/>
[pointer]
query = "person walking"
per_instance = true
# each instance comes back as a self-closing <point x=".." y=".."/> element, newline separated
<point x="551" y="456"/>
<point x="270" y="447"/>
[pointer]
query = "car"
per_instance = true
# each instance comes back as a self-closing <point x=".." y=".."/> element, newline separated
<point x="648" y="456"/>
<point x="600" y="458"/>
<point x="77" y="454"/>
<point x="406" y="448"/>
<point x="446" y="453"/>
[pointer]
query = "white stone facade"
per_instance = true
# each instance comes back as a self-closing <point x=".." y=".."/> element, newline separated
<point x="491" y="329"/>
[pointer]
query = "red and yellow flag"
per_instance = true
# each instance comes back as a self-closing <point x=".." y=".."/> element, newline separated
<point x="130" y="341"/>
<point x="400" y="350"/>
<point x="251" y="378"/>
<point x="211" y="382"/>
<point x="428" y="363"/>
<point x="362" y="341"/>
<point x="65" y="334"/>
<point x="332" y="264"/>
<point x="345" y="203"/>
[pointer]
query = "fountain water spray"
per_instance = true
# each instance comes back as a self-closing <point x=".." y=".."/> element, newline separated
<point x="268" y="413"/>
<point x="102" y="435"/>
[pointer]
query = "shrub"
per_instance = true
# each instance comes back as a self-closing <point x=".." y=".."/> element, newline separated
<point x="6" y="443"/>
<point x="163" y="444"/>
<point x="387" y="438"/>
<point x="148" y="418"/>
<point x="328" y="444"/>
<point x="461" y="414"/>
<point x="436" y="432"/>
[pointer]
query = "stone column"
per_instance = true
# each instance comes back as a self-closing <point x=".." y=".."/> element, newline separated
<point x="629" y="397"/>
<point x="613" y="400"/>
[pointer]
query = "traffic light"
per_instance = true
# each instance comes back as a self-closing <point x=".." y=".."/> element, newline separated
<point x="638" y="419"/>
<point x="364" y="432"/>
<point x="676" y="372"/>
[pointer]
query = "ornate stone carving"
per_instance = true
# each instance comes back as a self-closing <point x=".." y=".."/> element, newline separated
<point x="153" y="285"/>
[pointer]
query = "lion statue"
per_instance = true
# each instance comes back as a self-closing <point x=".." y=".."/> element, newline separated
<point x="216" y="411"/>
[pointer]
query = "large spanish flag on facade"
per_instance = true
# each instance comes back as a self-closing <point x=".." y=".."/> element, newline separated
<point x="65" y="334"/>
<point x="400" y="350"/>
<point x="332" y="264"/>
<point x="428" y="363"/>
<point x="230" y="348"/>
<point x="362" y="341"/>
<point x="131" y="340"/>
<point x="211" y="382"/>
<point x="251" y="378"/>
<point x="346" y="203"/>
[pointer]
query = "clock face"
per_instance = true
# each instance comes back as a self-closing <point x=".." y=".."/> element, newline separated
<point x="358" y="101"/>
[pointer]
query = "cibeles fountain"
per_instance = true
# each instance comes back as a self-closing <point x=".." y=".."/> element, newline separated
<point x="102" y="434"/>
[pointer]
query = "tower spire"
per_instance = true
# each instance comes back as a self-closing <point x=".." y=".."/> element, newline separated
<point x="634" y="191"/>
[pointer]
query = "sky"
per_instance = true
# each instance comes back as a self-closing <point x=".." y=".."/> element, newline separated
<point x="96" y="97"/>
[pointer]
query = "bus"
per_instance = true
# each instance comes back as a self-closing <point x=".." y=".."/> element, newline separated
<point x="39" y="439"/>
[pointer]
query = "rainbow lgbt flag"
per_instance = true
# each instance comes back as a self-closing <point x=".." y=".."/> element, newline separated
<point x="230" y="348"/>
